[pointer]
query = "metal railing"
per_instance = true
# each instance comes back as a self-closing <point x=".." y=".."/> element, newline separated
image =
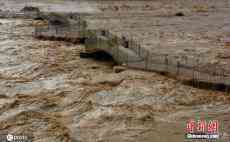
<point x="183" y="67"/>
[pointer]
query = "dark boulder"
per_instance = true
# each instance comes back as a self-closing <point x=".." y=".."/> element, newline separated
<point x="30" y="9"/>
<point x="56" y="19"/>
<point x="179" y="14"/>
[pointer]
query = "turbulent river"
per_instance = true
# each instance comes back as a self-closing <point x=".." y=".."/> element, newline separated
<point x="49" y="92"/>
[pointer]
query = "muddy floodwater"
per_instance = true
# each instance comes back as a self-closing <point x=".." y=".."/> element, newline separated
<point x="49" y="92"/>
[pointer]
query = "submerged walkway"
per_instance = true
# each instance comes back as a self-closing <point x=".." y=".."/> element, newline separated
<point x="129" y="53"/>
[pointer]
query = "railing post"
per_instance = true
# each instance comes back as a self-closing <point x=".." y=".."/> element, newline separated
<point x="117" y="52"/>
<point x="146" y="61"/>
<point x="139" y="50"/>
<point x="166" y="62"/>
<point x="178" y="67"/>
<point x="35" y="31"/>
<point x="193" y="73"/>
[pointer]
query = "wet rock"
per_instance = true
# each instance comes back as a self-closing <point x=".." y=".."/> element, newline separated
<point x="179" y="14"/>
<point x="30" y="9"/>
<point x="118" y="69"/>
<point x="56" y="19"/>
<point x="95" y="66"/>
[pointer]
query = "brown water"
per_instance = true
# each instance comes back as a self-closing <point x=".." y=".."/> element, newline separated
<point x="51" y="93"/>
<point x="47" y="91"/>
